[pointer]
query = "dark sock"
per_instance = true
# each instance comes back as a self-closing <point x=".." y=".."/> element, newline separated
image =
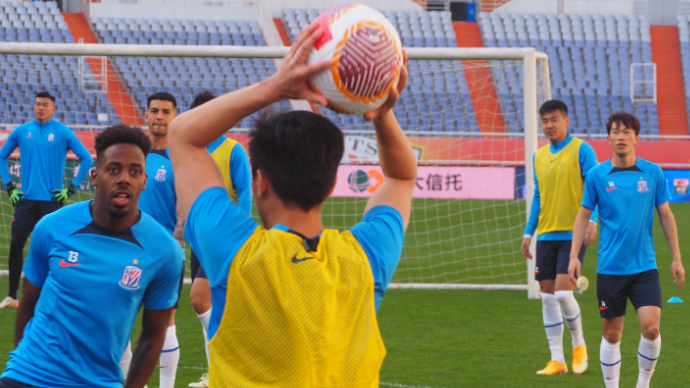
<point x="16" y="261"/>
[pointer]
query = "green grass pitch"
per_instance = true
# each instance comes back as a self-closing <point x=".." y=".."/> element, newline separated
<point x="459" y="338"/>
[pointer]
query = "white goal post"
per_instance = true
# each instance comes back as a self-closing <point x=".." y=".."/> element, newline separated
<point x="530" y="58"/>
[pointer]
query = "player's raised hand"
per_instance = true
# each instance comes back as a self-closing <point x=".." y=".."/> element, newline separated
<point x="290" y="79"/>
<point x="526" y="242"/>
<point x="574" y="269"/>
<point x="678" y="272"/>
<point x="591" y="233"/>
<point x="393" y="96"/>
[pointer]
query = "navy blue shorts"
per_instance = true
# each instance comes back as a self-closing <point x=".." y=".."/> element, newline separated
<point x="197" y="269"/>
<point x="553" y="258"/>
<point x="613" y="292"/>
<point x="29" y="212"/>
<point x="12" y="383"/>
<point x="179" y="288"/>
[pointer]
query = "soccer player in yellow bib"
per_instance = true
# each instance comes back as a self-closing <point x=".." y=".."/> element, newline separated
<point x="233" y="164"/>
<point x="560" y="168"/>
<point x="294" y="304"/>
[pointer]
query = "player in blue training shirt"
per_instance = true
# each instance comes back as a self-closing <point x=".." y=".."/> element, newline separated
<point x="160" y="202"/>
<point x="627" y="189"/>
<point x="233" y="164"/>
<point x="90" y="268"/>
<point x="294" y="160"/>
<point x="43" y="145"/>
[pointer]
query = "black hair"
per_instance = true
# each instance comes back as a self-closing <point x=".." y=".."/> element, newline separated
<point x="202" y="98"/>
<point x="553" y="105"/>
<point x="45" y="95"/>
<point x="299" y="152"/>
<point x="627" y="119"/>
<point x="161" y="96"/>
<point x="121" y="134"/>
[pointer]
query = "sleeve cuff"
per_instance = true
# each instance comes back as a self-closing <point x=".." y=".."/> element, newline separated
<point x="527" y="235"/>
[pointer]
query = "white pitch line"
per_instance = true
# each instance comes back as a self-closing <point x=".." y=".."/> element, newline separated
<point x="398" y="385"/>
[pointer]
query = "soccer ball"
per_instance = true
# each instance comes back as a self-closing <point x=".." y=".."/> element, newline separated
<point x="366" y="55"/>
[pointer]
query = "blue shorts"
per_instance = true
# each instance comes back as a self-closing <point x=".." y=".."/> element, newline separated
<point x="179" y="288"/>
<point x="553" y="258"/>
<point x="29" y="212"/>
<point x="613" y="292"/>
<point x="12" y="383"/>
<point x="197" y="269"/>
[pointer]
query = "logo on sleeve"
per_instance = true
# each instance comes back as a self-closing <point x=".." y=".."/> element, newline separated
<point x="130" y="279"/>
<point x="160" y="175"/>
<point x="642" y="187"/>
<point x="612" y="186"/>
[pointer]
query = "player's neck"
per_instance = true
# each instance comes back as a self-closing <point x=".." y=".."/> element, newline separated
<point x="101" y="216"/>
<point x="308" y="223"/>
<point x="159" y="142"/>
<point x="624" y="161"/>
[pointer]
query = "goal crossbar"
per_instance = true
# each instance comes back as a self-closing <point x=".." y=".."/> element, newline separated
<point x="528" y="55"/>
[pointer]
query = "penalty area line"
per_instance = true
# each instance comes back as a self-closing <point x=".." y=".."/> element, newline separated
<point x="398" y="385"/>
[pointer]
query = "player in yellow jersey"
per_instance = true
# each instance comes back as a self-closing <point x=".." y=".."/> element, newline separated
<point x="560" y="168"/>
<point x="233" y="163"/>
<point x="294" y="304"/>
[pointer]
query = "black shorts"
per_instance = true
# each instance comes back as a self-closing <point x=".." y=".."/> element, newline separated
<point x="12" y="383"/>
<point x="197" y="269"/>
<point x="613" y="292"/>
<point x="179" y="289"/>
<point x="29" y="212"/>
<point x="553" y="258"/>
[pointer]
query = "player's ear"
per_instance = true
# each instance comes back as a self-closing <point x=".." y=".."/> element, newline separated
<point x="93" y="172"/>
<point x="146" y="178"/>
<point x="261" y="183"/>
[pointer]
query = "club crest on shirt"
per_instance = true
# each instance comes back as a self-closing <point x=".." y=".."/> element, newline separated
<point x="130" y="279"/>
<point x="51" y="137"/>
<point x="642" y="187"/>
<point x="160" y="175"/>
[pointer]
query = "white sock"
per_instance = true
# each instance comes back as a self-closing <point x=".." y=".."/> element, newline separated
<point x="126" y="359"/>
<point x="205" y="318"/>
<point x="553" y="323"/>
<point x="571" y="313"/>
<point x="169" y="359"/>
<point x="647" y="355"/>
<point x="610" y="358"/>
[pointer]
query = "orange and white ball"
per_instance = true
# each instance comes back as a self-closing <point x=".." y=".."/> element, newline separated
<point x="366" y="56"/>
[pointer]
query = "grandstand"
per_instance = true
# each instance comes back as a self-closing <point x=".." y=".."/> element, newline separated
<point x="22" y="75"/>
<point x="589" y="56"/>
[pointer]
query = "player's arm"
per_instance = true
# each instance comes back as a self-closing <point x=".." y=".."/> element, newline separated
<point x="579" y="230"/>
<point x="192" y="131"/>
<point x="5" y="152"/>
<point x="396" y="157"/>
<point x="73" y="143"/>
<point x="148" y="350"/>
<point x="25" y="311"/>
<point x="668" y="224"/>
<point x="588" y="160"/>
<point x="533" y="220"/>
<point x="241" y="177"/>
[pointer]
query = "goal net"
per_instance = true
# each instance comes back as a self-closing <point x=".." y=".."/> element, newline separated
<point x="470" y="116"/>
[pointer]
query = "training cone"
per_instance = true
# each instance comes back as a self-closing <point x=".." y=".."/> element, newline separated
<point x="675" y="299"/>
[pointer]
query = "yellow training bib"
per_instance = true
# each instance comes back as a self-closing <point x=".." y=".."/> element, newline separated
<point x="295" y="318"/>
<point x="560" y="186"/>
<point x="222" y="156"/>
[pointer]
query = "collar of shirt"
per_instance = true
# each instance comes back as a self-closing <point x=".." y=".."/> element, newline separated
<point x="43" y="125"/>
<point x="559" y="145"/>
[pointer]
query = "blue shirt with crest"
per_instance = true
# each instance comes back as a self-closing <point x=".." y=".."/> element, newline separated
<point x="626" y="198"/>
<point x="93" y="281"/>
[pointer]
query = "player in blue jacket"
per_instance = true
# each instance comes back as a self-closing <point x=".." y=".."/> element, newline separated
<point x="627" y="189"/>
<point x="90" y="267"/>
<point x="43" y="144"/>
